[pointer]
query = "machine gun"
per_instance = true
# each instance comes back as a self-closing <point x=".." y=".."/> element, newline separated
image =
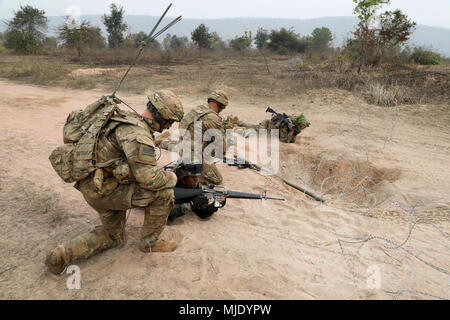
<point x="279" y="118"/>
<point x="185" y="195"/>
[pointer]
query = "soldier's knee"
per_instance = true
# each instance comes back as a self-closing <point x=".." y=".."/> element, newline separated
<point x="218" y="180"/>
<point x="166" y="194"/>
<point x="215" y="178"/>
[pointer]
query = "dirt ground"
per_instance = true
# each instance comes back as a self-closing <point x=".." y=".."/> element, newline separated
<point x="382" y="233"/>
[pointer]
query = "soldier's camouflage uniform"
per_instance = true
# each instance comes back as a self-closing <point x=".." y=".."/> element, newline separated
<point x="210" y="120"/>
<point x="129" y="179"/>
<point x="287" y="133"/>
<point x="179" y="210"/>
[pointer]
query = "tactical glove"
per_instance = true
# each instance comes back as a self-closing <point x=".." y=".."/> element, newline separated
<point x="202" y="208"/>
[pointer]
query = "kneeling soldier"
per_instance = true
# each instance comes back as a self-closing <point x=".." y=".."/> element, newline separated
<point x="127" y="177"/>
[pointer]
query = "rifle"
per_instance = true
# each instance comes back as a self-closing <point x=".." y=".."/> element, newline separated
<point x="279" y="118"/>
<point x="184" y="195"/>
<point x="243" y="164"/>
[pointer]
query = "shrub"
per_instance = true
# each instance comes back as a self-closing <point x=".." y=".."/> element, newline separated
<point x="286" y="41"/>
<point x="425" y="57"/>
<point x="243" y="42"/>
<point x="3" y="49"/>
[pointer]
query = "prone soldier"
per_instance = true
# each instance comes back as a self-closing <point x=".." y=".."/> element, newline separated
<point x="188" y="176"/>
<point x="289" y="126"/>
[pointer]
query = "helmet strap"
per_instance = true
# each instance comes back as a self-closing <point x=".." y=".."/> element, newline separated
<point x="158" y="117"/>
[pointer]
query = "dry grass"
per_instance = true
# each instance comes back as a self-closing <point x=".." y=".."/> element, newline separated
<point x="34" y="70"/>
<point x="390" y="95"/>
<point x="191" y="71"/>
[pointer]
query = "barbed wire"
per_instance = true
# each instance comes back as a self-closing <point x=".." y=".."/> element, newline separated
<point x="355" y="180"/>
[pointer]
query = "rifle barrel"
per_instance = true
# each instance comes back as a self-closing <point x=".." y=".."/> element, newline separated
<point x="272" y="198"/>
<point x="244" y="195"/>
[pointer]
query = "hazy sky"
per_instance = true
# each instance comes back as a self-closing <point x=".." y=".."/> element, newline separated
<point x="430" y="12"/>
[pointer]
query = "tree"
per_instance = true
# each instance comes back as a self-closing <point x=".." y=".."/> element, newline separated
<point x="261" y="38"/>
<point x="286" y="41"/>
<point x="173" y="42"/>
<point x="1" y="36"/>
<point x="25" y="32"/>
<point x="81" y="36"/>
<point x="376" y="34"/>
<point x="142" y="36"/>
<point x="395" y="28"/>
<point x="115" y="26"/>
<point x="216" y="42"/>
<point x="321" y="38"/>
<point x="201" y="37"/>
<point x="243" y="42"/>
<point x="50" y="42"/>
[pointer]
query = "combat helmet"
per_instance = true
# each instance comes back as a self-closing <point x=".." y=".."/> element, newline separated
<point x="167" y="104"/>
<point x="220" y="96"/>
<point x="188" y="170"/>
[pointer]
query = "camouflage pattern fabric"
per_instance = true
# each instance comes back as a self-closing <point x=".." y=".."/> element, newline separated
<point x="131" y="179"/>
<point x="287" y="133"/>
<point x="210" y="120"/>
<point x="179" y="210"/>
<point x="211" y="175"/>
<point x="155" y="219"/>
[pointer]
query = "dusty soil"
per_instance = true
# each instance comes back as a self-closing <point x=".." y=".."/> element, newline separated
<point x="384" y="174"/>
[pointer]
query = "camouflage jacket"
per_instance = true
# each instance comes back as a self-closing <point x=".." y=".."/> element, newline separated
<point x="210" y="120"/>
<point x="126" y="153"/>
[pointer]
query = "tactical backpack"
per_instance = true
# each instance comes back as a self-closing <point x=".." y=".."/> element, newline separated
<point x="76" y="159"/>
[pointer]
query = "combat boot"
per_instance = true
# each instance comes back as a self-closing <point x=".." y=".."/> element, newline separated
<point x="58" y="260"/>
<point x="164" y="246"/>
<point x="160" y="246"/>
<point x="82" y="247"/>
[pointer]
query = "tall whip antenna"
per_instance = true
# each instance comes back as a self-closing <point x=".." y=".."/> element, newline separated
<point x="144" y="44"/>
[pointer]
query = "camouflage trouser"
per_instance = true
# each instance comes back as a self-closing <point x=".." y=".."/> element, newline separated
<point x="112" y="212"/>
<point x="211" y="175"/>
<point x="179" y="210"/>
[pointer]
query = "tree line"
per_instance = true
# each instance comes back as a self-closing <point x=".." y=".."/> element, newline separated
<point x="377" y="35"/>
<point x="26" y="34"/>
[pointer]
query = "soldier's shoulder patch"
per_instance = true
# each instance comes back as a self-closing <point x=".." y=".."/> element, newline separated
<point x="146" y="153"/>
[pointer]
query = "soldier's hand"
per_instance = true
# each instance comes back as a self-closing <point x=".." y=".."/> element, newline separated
<point x="202" y="208"/>
<point x="172" y="179"/>
<point x="222" y="200"/>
